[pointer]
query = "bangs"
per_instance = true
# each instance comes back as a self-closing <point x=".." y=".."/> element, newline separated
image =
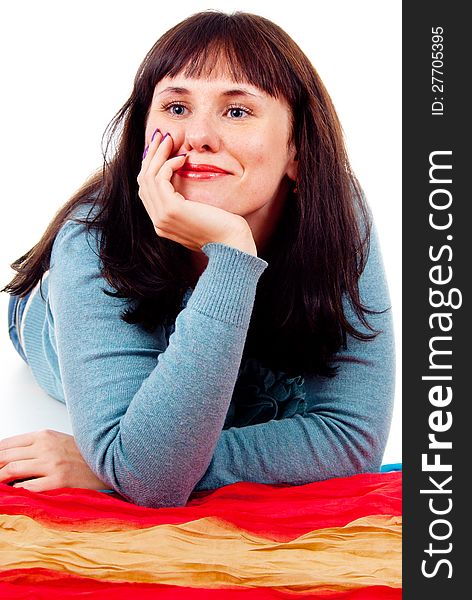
<point x="223" y="59"/>
<point x="238" y="46"/>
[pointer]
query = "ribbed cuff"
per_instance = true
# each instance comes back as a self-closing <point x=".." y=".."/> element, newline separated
<point x="227" y="288"/>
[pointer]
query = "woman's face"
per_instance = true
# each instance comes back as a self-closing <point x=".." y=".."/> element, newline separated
<point x="236" y="128"/>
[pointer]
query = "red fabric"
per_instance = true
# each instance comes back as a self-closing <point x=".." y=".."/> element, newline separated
<point x="43" y="584"/>
<point x="280" y="513"/>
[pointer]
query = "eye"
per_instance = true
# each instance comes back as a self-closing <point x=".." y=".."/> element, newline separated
<point x="174" y="108"/>
<point x="177" y="109"/>
<point x="238" y="112"/>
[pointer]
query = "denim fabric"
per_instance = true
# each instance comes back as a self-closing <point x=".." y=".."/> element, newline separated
<point x="16" y="306"/>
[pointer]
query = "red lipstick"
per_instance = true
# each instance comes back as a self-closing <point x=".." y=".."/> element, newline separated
<point x="200" y="172"/>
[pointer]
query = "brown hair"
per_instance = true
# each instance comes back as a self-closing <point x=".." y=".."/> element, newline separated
<point x="320" y="246"/>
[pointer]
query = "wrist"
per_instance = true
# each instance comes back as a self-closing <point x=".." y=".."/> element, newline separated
<point x="243" y="241"/>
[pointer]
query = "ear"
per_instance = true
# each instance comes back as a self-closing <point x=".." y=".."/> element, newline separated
<point x="292" y="164"/>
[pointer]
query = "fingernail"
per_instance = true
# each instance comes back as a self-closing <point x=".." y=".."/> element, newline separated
<point x="164" y="137"/>
<point x="180" y="155"/>
<point x="145" y="151"/>
<point x="154" y="135"/>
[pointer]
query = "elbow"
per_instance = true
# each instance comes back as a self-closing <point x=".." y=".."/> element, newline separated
<point x="356" y="450"/>
<point x="163" y="499"/>
<point x="148" y="487"/>
<point x="150" y="493"/>
<point x="149" y="481"/>
<point x="371" y="463"/>
<point x="151" y="489"/>
<point x="367" y="453"/>
<point x="366" y="440"/>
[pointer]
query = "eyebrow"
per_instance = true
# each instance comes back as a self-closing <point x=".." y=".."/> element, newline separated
<point x="227" y="93"/>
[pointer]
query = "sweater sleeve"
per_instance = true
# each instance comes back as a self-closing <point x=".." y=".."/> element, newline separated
<point x="345" y="428"/>
<point x="146" y="418"/>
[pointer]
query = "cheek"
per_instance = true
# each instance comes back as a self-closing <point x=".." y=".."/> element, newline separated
<point x="175" y="131"/>
<point x="266" y="166"/>
<point x="256" y="155"/>
<point x="150" y="128"/>
<point x="268" y="156"/>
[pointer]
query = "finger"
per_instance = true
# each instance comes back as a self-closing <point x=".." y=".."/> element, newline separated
<point x="160" y="151"/>
<point x="146" y="174"/>
<point x="153" y="143"/>
<point x="25" y="439"/>
<point x="147" y="156"/>
<point x="21" y="469"/>
<point x="170" y="166"/>
<point x="40" y="484"/>
<point x="17" y="453"/>
<point x="163" y="153"/>
<point x="161" y="188"/>
<point x="163" y="183"/>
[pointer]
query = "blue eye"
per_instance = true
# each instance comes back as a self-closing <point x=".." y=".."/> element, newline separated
<point x="177" y="109"/>
<point x="238" y="112"/>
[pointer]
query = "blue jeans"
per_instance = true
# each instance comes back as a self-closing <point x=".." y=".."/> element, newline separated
<point x="16" y="306"/>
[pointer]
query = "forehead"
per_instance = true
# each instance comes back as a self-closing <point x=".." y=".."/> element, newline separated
<point x="180" y="84"/>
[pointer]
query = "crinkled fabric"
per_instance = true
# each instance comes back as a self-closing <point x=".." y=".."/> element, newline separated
<point x="261" y="395"/>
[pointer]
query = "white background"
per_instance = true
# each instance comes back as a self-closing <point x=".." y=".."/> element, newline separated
<point x="67" y="69"/>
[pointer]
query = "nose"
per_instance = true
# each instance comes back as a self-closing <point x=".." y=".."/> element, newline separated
<point x="201" y="134"/>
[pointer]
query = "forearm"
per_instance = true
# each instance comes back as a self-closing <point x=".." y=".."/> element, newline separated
<point x="346" y="422"/>
<point x="164" y="442"/>
<point x="148" y="427"/>
<point x="292" y="451"/>
<point x="342" y="432"/>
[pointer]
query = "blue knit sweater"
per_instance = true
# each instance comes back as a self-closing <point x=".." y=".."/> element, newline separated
<point x="157" y="416"/>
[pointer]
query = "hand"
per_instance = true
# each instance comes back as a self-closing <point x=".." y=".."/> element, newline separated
<point x="48" y="459"/>
<point x="192" y="224"/>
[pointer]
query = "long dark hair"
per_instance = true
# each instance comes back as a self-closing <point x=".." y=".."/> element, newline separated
<point x="319" y="248"/>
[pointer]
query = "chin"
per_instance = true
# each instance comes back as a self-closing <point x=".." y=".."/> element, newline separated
<point x="213" y="198"/>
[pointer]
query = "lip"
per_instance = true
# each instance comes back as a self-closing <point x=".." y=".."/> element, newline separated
<point x="200" y="171"/>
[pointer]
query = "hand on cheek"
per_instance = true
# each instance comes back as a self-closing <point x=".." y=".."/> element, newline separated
<point x="188" y="223"/>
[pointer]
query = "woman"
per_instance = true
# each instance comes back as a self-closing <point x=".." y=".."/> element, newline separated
<point x="138" y="307"/>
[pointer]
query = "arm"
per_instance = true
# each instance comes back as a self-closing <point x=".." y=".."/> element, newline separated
<point x="147" y="420"/>
<point x="346" y="426"/>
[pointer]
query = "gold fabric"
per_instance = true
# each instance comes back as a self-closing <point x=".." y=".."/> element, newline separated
<point x="212" y="553"/>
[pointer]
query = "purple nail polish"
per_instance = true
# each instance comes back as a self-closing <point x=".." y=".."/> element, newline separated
<point x="154" y="135"/>
<point x="145" y="151"/>
<point x="164" y="137"/>
<point x="180" y="155"/>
